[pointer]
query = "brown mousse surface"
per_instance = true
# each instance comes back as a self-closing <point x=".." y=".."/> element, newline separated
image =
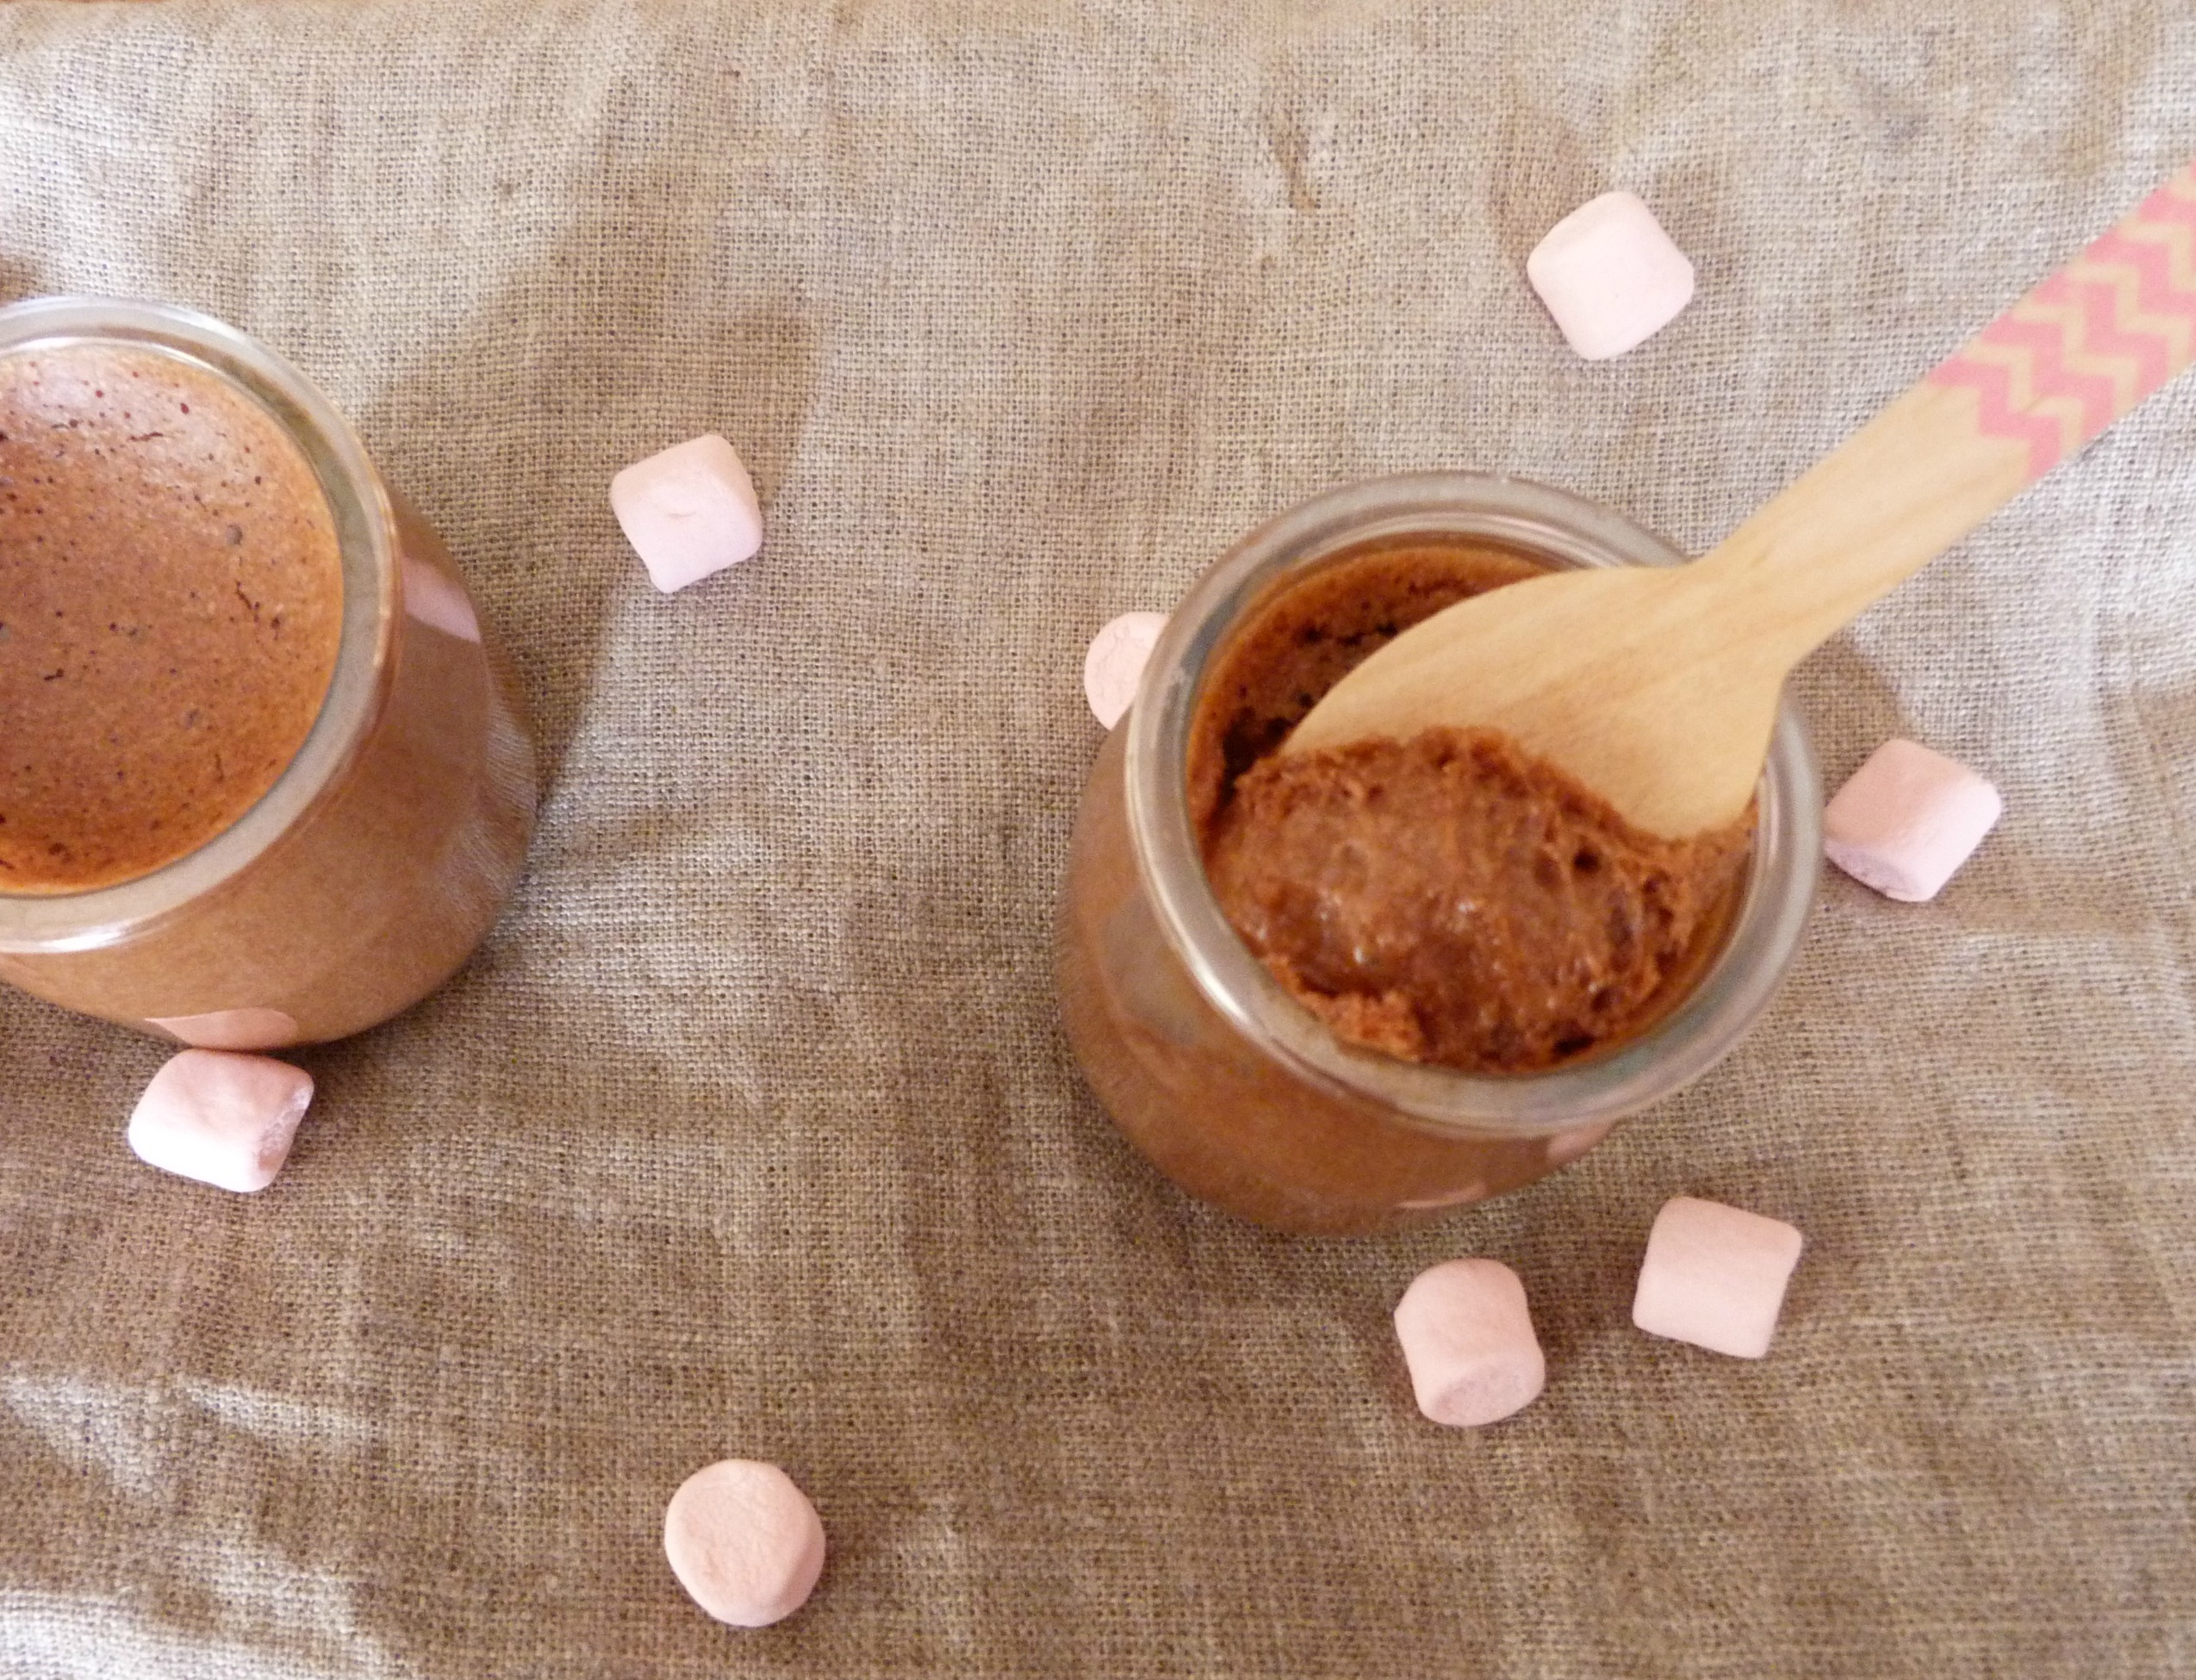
<point x="1446" y="899"/>
<point x="171" y="604"/>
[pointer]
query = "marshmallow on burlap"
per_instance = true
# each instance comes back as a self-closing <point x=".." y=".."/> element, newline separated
<point x="222" y="1117"/>
<point x="688" y="510"/>
<point x="1468" y="1340"/>
<point x="1610" y="276"/>
<point x="744" y="1542"/>
<point x="1115" y="664"/>
<point x="1907" y="820"/>
<point x="1715" y="1276"/>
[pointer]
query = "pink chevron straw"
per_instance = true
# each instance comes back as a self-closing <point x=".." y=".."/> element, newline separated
<point x="2092" y="341"/>
<point x="1658" y="688"/>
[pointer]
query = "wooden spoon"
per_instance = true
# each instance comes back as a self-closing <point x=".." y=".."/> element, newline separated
<point x="1658" y="686"/>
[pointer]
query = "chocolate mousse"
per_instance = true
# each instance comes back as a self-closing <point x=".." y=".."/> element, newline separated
<point x="1447" y="898"/>
<point x="170" y="606"/>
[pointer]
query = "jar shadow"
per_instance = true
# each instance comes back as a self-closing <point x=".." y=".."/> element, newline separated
<point x="548" y="562"/>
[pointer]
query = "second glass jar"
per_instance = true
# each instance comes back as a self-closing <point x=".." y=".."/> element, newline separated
<point x="1225" y="1082"/>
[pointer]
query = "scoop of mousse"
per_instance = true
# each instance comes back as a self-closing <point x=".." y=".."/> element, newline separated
<point x="1449" y="898"/>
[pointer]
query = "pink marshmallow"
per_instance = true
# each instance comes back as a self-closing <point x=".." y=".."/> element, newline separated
<point x="688" y="510"/>
<point x="1115" y="664"/>
<point x="1908" y="819"/>
<point x="1565" y="1147"/>
<point x="1715" y="1276"/>
<point x="1610" y="275"/>
<point x="222" y="1119"/>
<point x="1474" y="1191"/>
<point x="231" y="1028"/>
<point x="438" y="601"/>
<point x="1468" y="1340"/>
<point x="744" y="1542"/>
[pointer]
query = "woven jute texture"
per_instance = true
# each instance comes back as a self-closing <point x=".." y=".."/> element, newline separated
<point x="752" y="1131"/>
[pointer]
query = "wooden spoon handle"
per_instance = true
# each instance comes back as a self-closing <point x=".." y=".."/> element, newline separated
<point x="2024" y="393"/>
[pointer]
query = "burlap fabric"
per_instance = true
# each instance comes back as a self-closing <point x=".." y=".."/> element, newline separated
<point x="752" y="1131"/>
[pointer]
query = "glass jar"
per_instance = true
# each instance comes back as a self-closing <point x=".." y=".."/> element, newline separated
<point x="1233" y="1089"/>
<point x="382" y="853"/>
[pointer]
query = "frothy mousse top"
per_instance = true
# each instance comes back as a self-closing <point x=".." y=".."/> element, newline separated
<point x="170" y="606"/>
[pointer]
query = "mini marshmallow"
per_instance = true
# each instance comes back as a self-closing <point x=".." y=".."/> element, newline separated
<point x="688" y="510"/>
<point x="231" y="1028"/>
<point x="1715" y="1276"/>
<point x="1565" y="1147"/>
<point x="1468" y="1340"/>
<point x="744" y="1542"/>
<point x="1610" y="275"/>
<point x="438" y="601"/>
<point x="1908" y="819"/>
<point x="1115" y="664"/>
<point x="220" y="1117"/>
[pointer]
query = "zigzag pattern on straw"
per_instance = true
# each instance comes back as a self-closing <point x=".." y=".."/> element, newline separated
<point x="2095" y="339"/>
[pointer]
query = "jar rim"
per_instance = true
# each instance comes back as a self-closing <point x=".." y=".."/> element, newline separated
<point x="358" y="688"/>
<point x="1684" y="1043"/>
